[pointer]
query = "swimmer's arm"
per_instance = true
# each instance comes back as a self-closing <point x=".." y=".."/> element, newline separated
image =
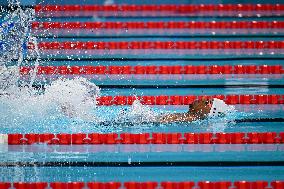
<point x="176" y="117"/>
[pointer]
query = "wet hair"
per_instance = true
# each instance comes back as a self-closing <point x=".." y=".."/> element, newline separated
<point x="197" y="108"/>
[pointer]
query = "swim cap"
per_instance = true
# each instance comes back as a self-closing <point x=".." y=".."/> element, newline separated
<point x="219" y="108"/>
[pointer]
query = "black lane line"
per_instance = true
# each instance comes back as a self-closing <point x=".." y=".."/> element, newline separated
<point x="55" y="36"/>
<point x="169" y="17"/>
<point x="189" y="86"/>
<point x="154" y="59"/>
<point x="173" y="86"/>
<point x="249" y="120"/>
<point x="146" y="60"/>
<point x="252" y="120"/>
<point x="143" y="164"/>
<point x="260" y="120"/>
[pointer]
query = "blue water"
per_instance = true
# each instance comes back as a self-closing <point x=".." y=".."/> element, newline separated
<point x="182" y="80"/>
<point x="57" y="122"/>
<point x="85" y="174"/>
<point x="25" y="118"/>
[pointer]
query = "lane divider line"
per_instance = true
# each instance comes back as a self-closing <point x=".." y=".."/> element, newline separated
<point x="186" y="100"/>
<point x="162" y="45"/>
<point x="144" y="138"/>
<point x="260" y="184"/>
<point x="152" y="69"/>
<point x="237" y="25"/>
<point x="236" y="10"/>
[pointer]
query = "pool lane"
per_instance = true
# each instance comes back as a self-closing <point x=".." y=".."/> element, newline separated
<point x="191" y="91"/>
<point x="251" y="118"/>
<point x="104" y="174"/>
<point x="123" y="62"/>
<point x="165" y="38"/>
<point x="63" y="126"/>
<point x="265" y="81"/>
<point x="127" y="155"/>
<point x="142" y="155"/>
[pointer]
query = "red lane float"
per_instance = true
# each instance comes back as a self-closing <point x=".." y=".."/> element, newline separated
<point x="5" y="185"/>
<point x="154" y="138"/>
<point x="162" y="45"/>
<point x="140" y="185"/>
<point x="161" y="10"/>
<point x="186" y="100"/>
<point x="178" y="185"/>
<point x="277" y="184"/>
<point x="242" y="185"/>
<point x="157" y="70"/>
<point x="163" y="7"/>
<point x="140" y="138"/>
<point x="159" y="25"/>
<point x="149" y="185"/>
<point x="104" y="185"/>
<point x="58" y="185"/>
<point x="35" y="185"/>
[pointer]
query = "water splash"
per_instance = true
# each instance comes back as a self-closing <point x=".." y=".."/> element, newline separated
<point x="75" y="97"/>
<point x="15" y="33"/>
<point x="137" y="113"/>
<point x="62" y="99"/>
<point x="64" y="102"/>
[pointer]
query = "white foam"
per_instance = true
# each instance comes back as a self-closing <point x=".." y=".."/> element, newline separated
<point x="25" y="107"/>
<point x="76" y="97"/>
<point x="137" y="113"/>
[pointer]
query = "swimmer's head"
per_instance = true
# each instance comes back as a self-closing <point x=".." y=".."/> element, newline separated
<point x="200" y="108"/>
<point x="208" y="108"/>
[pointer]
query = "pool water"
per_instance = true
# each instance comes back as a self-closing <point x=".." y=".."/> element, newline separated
<point x="41" y="111"/>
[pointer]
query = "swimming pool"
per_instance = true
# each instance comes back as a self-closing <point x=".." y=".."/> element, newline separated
<point x="166" y="59"/>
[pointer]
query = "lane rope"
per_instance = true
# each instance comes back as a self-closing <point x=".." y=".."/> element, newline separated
<point x="278" y="184"/>
<point x="163" y="45"/>
<point x="152" y="69"/>
<point x="186" y="100"/>
<point x="143" y="138"/>
<point x="161" y="10"/>
<point x="161" y="25"/>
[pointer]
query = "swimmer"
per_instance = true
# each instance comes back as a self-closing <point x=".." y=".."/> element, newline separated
<point x="87" y="93"/>
<point x="198" y="110"/>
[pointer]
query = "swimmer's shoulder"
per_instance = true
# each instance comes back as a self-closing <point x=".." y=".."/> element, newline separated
<point x="176" y="117"/>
